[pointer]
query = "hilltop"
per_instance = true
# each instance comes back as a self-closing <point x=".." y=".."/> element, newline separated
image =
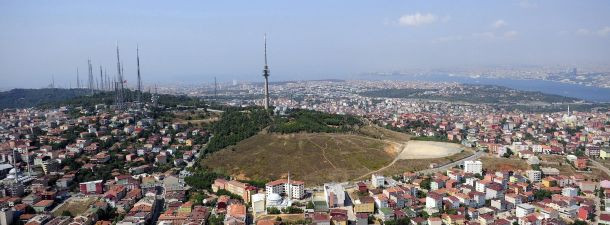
<point x="313" y="157"/>
<point x="315" y="147"/>
<point x="25" y="98"/>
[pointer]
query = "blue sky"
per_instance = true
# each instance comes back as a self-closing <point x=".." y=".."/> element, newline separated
<point x="193" y="41"/>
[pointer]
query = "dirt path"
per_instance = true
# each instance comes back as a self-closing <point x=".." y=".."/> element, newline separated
<point x="323" y="152"/>
<point x="404" y="148"/>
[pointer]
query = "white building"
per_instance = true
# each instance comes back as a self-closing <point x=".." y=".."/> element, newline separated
<point x="377" y="181"/>
<point x="335" y="195"/>
<point x="434" y="202"/>
<point x="474" y="167"/>
<point x="258" y="204"/>
<point x="524" y="209"/>
<point x="6" y="216"/>
<point x="292" y="188"/>
<point x="569" y="192"/>
<point x="534" y="175"/>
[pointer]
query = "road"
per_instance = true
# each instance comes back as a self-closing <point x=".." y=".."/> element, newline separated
<point x="199" y="153"/>
<point x="597" y="199"/>
<point x="442" y="168"/>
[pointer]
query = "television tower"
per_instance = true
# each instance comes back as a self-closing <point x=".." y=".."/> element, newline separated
<point x="139" y="78"/>
<point x="119" y="82"/>
<point x="266" y="75"/>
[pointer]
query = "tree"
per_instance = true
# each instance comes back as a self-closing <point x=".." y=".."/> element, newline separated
<point x="201" y="179"/>
<point x="579" y="222"/>
<point x="425" y="215"/>
<point x="309" y="205"/>
<point x="197" y="198"/>
<point x="66" y="213"/>
<point x="216" y="219"/>
<point x="273" y="210"/>
<point x="292" y="210"/>
<point x="425" y="184"/>
<point x="542" y="194"/>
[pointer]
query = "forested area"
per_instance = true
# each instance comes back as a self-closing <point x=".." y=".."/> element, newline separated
<point x="235" y="126"/>
<point x="24" y="98"/>
<point x="298" y="120"/>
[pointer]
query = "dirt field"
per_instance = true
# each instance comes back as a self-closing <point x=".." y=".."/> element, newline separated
<point x="313" y="158"/>
<point x="429" y="150"/>
<point x="74" y="205"/>
<point x="410" y="165"/>
<point x="497" y="163"/>
<point x="317" y="158"/>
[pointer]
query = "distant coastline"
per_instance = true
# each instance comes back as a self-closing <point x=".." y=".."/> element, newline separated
<point x="589" y="93"/>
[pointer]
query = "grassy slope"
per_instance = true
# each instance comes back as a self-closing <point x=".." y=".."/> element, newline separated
<point x="313" y="158"/>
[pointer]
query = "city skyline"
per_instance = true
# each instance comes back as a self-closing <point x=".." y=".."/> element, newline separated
<point x="315" y="40"/>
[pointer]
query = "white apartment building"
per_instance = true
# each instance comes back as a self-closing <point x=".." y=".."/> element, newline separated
<point x="534" y="175"/>
<point x="524" y="209"/>
<point x="377" y="181"/>
<point x="293" y="189"/>
<point x="474" y="167"/>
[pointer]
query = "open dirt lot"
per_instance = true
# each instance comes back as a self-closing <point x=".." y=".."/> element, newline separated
<point x="429" y="150"/>
<point x="75" y="205"/>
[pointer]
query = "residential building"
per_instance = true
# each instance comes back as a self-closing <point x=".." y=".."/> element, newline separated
<point x="474" y="167"/>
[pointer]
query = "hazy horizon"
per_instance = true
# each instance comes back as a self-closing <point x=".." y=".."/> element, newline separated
<point x="194" y="41"/>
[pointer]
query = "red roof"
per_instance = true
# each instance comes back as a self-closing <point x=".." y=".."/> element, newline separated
<point x="284" y="181"/>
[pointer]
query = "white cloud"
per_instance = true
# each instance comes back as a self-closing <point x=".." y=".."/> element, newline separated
<point x="417" y="19"/>
<point x="499" y="23"/>
<point x="602" y="32"/>
<point x="605" y="31"/>
<point x="496" y="35"/>
<point x="448" y="39"/>
<point x="489" y="35"/>
<point x="510" y="34"/>
<point x="583" y="31"/>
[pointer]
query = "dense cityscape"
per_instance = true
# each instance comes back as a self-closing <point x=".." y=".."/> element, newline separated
<point x="141" y="164"/>
<point x="317" y="113"/>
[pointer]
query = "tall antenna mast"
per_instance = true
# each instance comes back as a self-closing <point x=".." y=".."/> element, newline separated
<point x="77" y="79"/>
<point x="108" y="85"/>
<point x="101" y="85"/>
<point x="52" y="81"/>
<point x="215" y="90"/>
<point x="139" y="78"/>
<point x="266" y="75"/>
<point x="119" y="85"/>
<point x="91" y="80"/>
